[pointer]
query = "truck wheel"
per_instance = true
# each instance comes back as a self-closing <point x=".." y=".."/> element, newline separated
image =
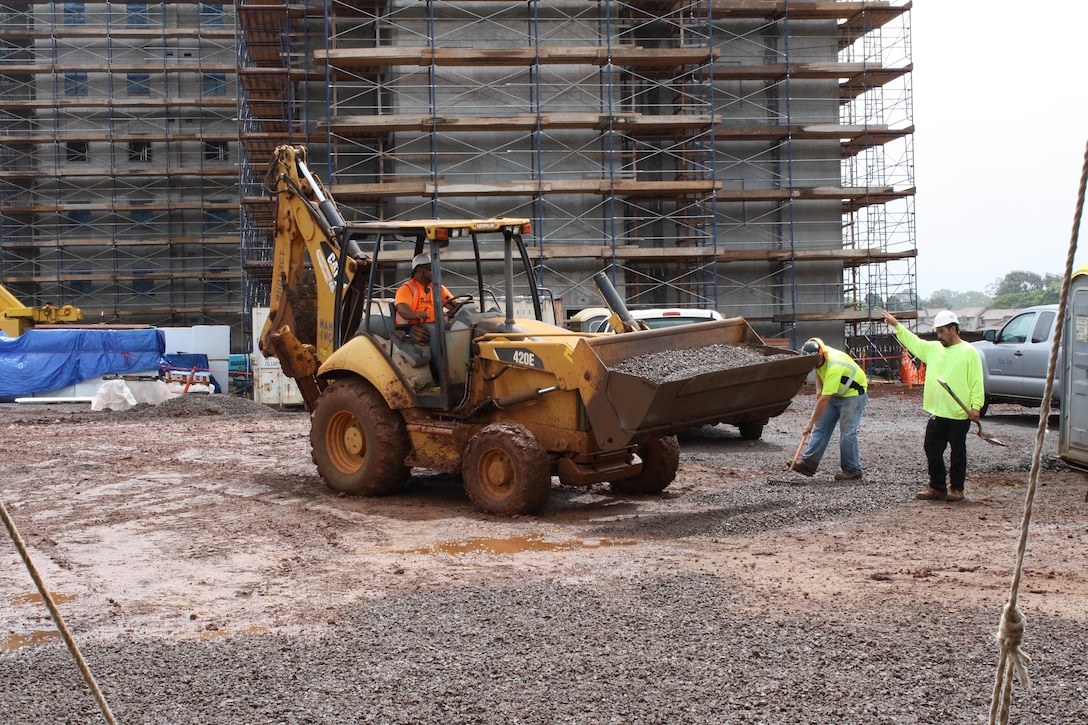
<point x="358" y="444"/>
<point x="506" y="470"/>
<point x="660" y="459"/>
<point x="751" y="430"/>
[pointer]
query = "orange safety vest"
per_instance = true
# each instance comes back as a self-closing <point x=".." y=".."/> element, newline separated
<point x="421" y="300"/>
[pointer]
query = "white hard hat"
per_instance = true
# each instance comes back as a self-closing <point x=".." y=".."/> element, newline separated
<point x="945" y="318"/>
<point x="420" y="259"/>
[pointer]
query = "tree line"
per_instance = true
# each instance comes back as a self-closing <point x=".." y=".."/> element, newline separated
<point x="1013" y="291"/>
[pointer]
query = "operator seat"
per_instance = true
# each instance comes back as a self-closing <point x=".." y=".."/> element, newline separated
<point x="383" y="326"/>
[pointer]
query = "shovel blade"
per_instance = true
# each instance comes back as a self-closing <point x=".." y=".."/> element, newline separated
<point x="989" y="438"/>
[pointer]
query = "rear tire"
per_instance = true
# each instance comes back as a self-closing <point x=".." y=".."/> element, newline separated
<point x="660" y="461"/>
<point x="506" y="470"/>
<point x="751" y="430"/>
<point x="358" y="443"/>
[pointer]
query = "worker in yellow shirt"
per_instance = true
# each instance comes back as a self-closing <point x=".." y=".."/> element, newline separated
<point x="842" y="399"/>
<point x="958" y="363"/>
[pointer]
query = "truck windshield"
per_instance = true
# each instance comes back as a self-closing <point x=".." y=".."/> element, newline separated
<point x="1018" y="328"/>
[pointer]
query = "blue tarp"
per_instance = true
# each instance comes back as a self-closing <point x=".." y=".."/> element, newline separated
<point x="41" y="360"/>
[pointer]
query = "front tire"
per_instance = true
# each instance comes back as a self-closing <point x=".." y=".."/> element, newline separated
<point x="660" y="461"/>
<point x="358" y="443"/>
<point x="506" y="470"/>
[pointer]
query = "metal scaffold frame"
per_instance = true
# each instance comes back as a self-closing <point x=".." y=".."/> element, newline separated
<point x="118" y="186"/>
<point x="754" y="157"/>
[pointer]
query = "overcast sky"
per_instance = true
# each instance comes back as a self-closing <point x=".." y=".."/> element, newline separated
<point x="1001" y="123"/>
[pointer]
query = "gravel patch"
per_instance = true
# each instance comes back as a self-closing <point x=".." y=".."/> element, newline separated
<point x="211" y="578"/>
<point x="773" y="505"/>
<point x="666" y="366"/>
<point x="192" y="406"/>
<point x="182" y="406"/>
<point x="662" y="650"/>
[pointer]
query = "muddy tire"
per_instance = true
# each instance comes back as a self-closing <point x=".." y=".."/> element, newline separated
<point x="506" y="470"/>
<point x="358" y="444"/>
<point x="751" y="430"/>
<point x="660" y="460"/>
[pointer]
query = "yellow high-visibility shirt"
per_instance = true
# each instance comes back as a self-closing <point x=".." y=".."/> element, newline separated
<point x="959" y="365"/>
<point x="840" y="375"/>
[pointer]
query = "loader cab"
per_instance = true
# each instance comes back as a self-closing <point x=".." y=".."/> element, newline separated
<point x="484" y="264"/>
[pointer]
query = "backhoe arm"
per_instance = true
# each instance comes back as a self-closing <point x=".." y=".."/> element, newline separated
<point x="316" y="281"/>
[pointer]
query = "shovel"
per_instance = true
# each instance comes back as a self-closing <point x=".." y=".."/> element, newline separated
<point x="798" y="453"/>
<point x="983" y="436"/>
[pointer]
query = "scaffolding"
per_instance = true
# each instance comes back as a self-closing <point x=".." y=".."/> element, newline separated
<point x="755" y="157"/>
<point x="118" y="169"/>
<point x="752" y="157"/>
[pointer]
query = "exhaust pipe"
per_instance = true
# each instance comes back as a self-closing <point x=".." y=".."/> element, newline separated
<point x="612" y="299"/>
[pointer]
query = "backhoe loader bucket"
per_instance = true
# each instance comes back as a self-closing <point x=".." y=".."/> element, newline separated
<point x="654" y="383"/>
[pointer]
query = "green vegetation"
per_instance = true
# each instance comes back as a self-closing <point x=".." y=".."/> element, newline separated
<point x="946" y="299"/>
<point x="1015" y="290"/>
<point x="1024" y="289"/>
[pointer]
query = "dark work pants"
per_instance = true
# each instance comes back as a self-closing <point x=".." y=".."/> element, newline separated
<point x="942" y="433"/>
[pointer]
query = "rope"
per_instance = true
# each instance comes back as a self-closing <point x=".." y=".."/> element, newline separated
<point x="1010" y="633"/>
<point x="9" y="524"/>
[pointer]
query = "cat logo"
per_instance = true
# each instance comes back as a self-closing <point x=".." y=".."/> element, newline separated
<point x="331" y="267"/>
<point x="520" y="356"/>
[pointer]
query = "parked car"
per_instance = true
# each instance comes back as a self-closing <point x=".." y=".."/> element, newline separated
<point x="1015" y="358"/>
<point x="595" y="319"/>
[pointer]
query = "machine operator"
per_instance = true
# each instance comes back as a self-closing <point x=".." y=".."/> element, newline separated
<point x="414" y="301"/>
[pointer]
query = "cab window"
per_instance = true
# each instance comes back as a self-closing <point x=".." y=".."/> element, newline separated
<point x="1042" y="327"/>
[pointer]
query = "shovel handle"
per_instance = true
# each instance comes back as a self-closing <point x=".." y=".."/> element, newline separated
<point x="954" y="396"/>
<point x="804" y="437"/>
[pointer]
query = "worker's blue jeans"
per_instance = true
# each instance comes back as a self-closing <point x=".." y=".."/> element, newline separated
<point x="846" y="413"/>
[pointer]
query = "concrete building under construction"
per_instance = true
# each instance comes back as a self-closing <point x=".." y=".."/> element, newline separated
<point x="118" y="159"/>
<point x="755" y="156"/>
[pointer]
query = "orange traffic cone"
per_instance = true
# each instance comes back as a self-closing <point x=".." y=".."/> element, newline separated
<point x="906" y="369"/>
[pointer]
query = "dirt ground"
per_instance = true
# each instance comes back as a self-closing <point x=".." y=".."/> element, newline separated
<point x="211" y="517"/>
<point x="206" y="518"/>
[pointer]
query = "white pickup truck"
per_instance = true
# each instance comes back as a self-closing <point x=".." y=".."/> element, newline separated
<point x="1015" y="358"/>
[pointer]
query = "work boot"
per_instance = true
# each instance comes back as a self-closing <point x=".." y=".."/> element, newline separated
<point x="931" y="494"/>
<point x="955" y="494"/>
<point x="804" y="467"/>
<point x="847" y="476"/>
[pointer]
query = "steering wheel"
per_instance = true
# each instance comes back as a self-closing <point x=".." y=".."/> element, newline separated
<point x="455" y="305"/>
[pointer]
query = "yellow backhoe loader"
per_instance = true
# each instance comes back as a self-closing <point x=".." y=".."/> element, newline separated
<point x="507" y="401"/>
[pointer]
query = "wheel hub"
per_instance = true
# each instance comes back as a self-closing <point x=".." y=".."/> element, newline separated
<point x="497" y="471"/>
<point x="354" y="440"/>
